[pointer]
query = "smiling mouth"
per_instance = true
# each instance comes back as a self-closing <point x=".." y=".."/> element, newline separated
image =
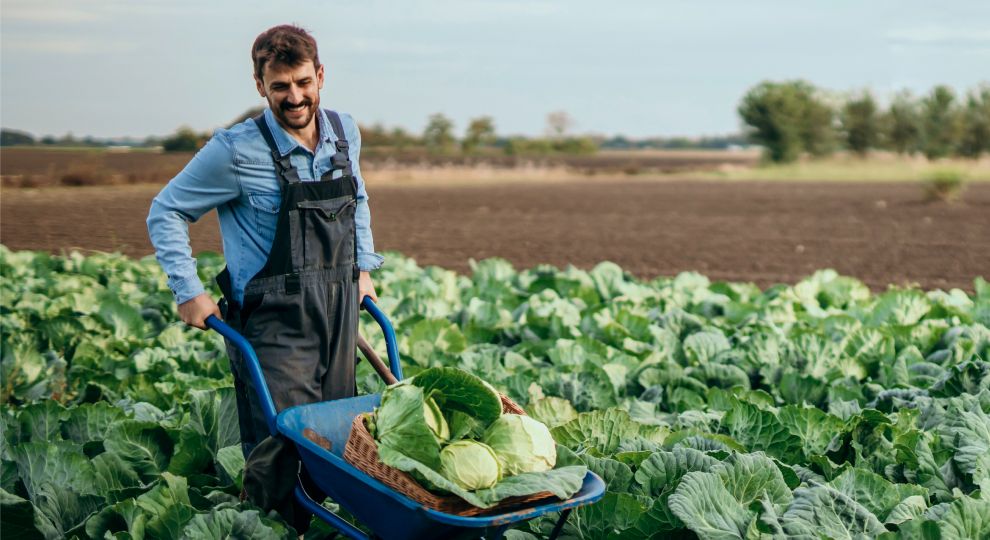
<point x="295" y="108"/>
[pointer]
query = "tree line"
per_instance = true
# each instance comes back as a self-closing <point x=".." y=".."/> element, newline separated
<point x="438" y="137"/>
<point x="480" y="138"/>
<point x="794" y="118"/>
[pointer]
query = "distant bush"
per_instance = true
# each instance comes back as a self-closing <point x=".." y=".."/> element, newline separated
<point x="576" y="145"/>
<point x="943" y="185"/>
<point x="520" y="146"/>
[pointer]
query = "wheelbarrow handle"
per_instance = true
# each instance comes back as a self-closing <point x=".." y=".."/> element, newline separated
<point x="391" y="348"/>
<point x="254" y="367"/>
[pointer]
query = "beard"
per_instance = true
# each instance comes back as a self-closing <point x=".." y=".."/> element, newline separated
<point x="296" y="122"/>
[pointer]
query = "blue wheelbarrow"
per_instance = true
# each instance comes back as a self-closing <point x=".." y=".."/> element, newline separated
<point x="387" y="513"/>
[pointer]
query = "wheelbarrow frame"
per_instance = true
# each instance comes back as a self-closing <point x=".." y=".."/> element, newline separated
<point x="492" y="526"/>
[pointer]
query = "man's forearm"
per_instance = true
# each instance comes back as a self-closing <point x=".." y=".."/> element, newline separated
<point x="169" y="234"/>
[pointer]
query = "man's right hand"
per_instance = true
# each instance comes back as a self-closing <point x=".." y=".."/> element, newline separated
<point x="194" y="312"/>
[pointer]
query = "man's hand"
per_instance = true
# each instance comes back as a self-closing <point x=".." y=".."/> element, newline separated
<point x="194" y="312"/>
<point x="366" y="287"/>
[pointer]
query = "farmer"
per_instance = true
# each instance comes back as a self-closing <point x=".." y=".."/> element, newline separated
<point x="297" y="238"/>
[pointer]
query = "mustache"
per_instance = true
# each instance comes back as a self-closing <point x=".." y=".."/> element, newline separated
<point x="305" y="103"/>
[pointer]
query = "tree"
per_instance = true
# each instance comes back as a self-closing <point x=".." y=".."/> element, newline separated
<point x="558" y="124"/>
<point x="860" y="123"/>
<point x="401" y="138"/>
<point x="902" y="125"/>
<point x="184" y="140"/>
<point x="787" y="119"/>
<point x="480" y="132"/>
<point x="818" y="130"/>
<point x="439" y="133"/>
<point x="375" y="135"/>
<point x="976" y="123"/>
<point x="246" y="115"/>
<point x="13" y="137"/>
<point x="940" y="123"/>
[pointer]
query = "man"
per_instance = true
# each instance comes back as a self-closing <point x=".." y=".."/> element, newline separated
<point x="297" y="238"/>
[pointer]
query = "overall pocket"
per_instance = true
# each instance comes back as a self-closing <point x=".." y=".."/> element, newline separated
<point x="324" y="233"/>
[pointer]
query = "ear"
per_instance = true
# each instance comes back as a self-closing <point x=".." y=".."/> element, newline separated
<point x="319" y="76"/>
<point x="261" y="86"/>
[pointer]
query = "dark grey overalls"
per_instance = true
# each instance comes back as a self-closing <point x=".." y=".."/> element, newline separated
<point x="300" y="313"/>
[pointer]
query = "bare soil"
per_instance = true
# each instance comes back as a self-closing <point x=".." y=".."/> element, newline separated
<point x="764" y="232"/>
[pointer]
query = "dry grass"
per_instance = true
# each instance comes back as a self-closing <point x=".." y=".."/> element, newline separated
<point x="47" y="167"/>
<point x="879" y="167"/>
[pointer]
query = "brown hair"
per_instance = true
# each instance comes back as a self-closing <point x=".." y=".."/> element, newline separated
<point x="286" y="44"/>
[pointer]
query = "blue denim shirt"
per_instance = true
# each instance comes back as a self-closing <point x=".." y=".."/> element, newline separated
<point x="235" y="174"/>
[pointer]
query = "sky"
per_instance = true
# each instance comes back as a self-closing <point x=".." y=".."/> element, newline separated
<point x="134" y="68"/>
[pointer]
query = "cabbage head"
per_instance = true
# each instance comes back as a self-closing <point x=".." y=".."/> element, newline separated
<point x="522" y="444"/>
<point x="434" y="418"/>
<point x="470" y="464"/>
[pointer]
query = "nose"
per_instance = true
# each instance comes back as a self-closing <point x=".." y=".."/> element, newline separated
<point x="295" y="95"/>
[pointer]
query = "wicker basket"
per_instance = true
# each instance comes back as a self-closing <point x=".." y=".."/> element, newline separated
<point x="362" y="452"/>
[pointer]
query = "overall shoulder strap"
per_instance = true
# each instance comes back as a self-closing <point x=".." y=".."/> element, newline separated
<point x="342" y="159"/>
<point x="283" y="166"/>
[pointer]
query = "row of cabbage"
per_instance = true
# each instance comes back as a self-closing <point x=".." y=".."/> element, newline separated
<point x="713" y="410"/>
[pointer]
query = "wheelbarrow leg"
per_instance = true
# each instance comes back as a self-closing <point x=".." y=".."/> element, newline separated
<point x="335" y="521"/>
<point x="560" y="523"/>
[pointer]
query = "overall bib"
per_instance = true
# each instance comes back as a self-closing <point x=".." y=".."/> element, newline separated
<point x="300" y="313"/>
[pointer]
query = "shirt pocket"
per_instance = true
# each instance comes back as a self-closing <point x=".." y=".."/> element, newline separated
<point x="264" y="206"/>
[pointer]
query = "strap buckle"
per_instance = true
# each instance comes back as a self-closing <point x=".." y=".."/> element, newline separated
<point x="292" y="283"/>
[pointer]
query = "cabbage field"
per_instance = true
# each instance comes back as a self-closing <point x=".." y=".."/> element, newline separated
<point x="712" y="410"/>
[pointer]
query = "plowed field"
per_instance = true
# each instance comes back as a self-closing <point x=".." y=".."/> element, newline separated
<point x="765" y="232"/>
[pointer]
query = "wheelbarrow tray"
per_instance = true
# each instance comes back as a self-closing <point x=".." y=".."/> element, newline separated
<point x="387" y="513"/>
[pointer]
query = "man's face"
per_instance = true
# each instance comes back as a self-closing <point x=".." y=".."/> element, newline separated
<point x="293" y="92"/>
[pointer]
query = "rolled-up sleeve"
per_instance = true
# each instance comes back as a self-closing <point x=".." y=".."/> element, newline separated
<point x="208" y="181"/>
<point x="367" y="258"/>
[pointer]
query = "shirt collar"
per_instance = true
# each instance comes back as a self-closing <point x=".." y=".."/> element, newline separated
<point x="287" y="143"/>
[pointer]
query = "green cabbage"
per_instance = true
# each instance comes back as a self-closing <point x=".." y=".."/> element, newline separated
<point x="522" y="444"/>
<point x="470" y="464"/>
<point x="436" y="421"/>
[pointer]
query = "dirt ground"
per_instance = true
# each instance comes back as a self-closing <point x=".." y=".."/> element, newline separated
<point x="764" y="232"/>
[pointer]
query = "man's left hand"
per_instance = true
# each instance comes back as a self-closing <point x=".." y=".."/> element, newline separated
<point x="366" y="287"/>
